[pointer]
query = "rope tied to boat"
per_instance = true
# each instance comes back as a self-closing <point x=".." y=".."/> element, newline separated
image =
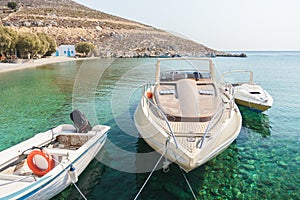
<point x="186" y="180"/>
<point x="72" y="175"/>
<point x="79" y="191"/>
<point x="148" y="178"/>
<point x="166" y="163"/>
<point x="188" y="183"/>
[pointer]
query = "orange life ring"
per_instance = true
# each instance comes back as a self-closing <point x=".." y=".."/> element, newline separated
<point x="36" y="167"/>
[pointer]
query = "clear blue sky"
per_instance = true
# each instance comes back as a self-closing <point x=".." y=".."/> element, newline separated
<point x="219" y="24"/>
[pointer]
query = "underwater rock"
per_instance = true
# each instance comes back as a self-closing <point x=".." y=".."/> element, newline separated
<point x="282" y="164"/>
<point x="267" y="182"/>
<point x="214" y="191"/>
<point x="248" y="156"/>
<point x="249" y="167"/>
<point x="243" y="172"/>
<point x="237" y="192"/>
<point x="251" y="162"/>
<point x="177" y="191"/>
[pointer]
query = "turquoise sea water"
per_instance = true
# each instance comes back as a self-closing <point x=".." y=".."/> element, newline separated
<point x="263" y="163"/>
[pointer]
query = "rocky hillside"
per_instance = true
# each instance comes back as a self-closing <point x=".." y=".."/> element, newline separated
<point x="69" y="23"/>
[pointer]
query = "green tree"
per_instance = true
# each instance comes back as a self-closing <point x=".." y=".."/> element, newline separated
<point x="52" y="45"/>
<point x="28" y="45"/>
<point x="12" y="5"/>
<point x="37" y="45"/>
<point x="44" y="47"/>
<point x="14" y="39"/>
<point x="5" y="41"/>
<point x="8" y="40"/>
<point x="85" y="47"/>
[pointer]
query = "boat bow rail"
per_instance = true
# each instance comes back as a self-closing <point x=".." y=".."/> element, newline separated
<point x="248" y="93"/>
<point x="146" y="102"/>
<point x="227" y="107"/>
<point x="238" y="72"/>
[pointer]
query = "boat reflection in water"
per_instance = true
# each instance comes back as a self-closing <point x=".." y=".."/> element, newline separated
<point x="259" y="122"/>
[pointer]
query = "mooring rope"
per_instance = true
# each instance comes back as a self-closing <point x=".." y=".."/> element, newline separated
<point x="71" y="177"/>
<point x="187" y="181"/>
<point x="162" y="155"/>
<point x="80" y="192"/>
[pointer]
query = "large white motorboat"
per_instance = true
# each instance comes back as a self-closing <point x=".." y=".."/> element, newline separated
<point x="187" y="116"/>
<point x="44" y="165"/>
<point x="249" y="94"/>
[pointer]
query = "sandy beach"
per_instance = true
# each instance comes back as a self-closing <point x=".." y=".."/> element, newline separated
<point x="6" y="67"/>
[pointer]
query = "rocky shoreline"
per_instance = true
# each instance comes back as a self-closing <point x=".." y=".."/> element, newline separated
<point x="241" y="55"/>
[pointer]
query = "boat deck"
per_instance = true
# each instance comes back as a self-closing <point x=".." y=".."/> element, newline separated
<point x="187" y="99"/>
<point x="189" y="134"/>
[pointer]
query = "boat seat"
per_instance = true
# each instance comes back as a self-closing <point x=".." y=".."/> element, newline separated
<point x="57" y="151"/>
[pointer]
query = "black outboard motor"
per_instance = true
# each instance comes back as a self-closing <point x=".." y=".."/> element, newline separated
<point x="80" y="121"/>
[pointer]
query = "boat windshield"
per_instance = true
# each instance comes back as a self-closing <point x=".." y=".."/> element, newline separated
<point x="183" y="74"/>
<point x="187" y="90"/>
<point x="176" y="69"/>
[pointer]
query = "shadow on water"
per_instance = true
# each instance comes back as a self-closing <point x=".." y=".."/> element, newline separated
<point x="87" y="181"/>
<point x="99" y="180"/>
<point x="258" y="122"/>
<point x="209" y="181"/>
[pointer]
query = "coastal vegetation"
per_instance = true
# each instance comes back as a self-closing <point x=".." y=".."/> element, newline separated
<point x="85" y="48"/>
<point x="12" y="5"/>
<point x="25" y="44"/>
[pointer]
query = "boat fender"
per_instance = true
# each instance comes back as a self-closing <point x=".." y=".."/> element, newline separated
<point x="73" y="174"/>
<point x="40" y="162"/>
<point x="149" y="95"/>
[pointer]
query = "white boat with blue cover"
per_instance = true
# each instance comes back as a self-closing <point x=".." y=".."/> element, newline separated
<point x="44" y="165"/>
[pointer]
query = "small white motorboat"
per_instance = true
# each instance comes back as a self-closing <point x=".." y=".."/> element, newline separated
<point x="44" y="165"/>
<point x="187" y="116"/>
<point x="249" y="94"/>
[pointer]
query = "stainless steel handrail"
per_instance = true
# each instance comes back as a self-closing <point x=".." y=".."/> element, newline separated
<point x="238" y="71"/>
<point x="145" y="87"/>
<point x="211" y="124"/>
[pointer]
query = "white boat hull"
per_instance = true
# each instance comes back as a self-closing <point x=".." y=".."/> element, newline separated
<point x="186" y="115"/>
<point x="55" y="181"/>
<point x="156" y="137"/>
<point x="249" y="94"/>
<point x="253" y="97"/>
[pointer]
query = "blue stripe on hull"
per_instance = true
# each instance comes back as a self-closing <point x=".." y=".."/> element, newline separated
<point x="33" y="192"/>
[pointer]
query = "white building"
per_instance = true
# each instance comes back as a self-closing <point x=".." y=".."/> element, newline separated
<point x="66" y="50"/>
